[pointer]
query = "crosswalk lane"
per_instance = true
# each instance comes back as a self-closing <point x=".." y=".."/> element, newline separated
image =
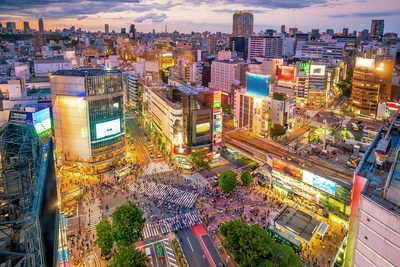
<point x="156" y="167"/>
<point x="164" y="192"/>
<point x="171" y="224"/>
<point x="169" y="253"/>
<point x="92" y="214"/>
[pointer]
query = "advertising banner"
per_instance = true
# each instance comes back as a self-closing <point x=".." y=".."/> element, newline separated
<point x="304" y="67"/>
<point x="181" y="150"/>
<point x="319" y="182"/>
<point x="286" y="75"/>
<point x="258" y="85"/>
<point x="317" y="70"/>
<point x="365" y="62"/>
<point x="286" y="167"/>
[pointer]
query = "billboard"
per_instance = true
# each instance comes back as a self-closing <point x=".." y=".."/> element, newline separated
<point x="108" y="128"/>
<point x="181" y="150"/>
<point x="20" y="116"/>
<point x="42" y="120"/>
<point x="365" y="62"/>
<point x="286" y="167"/>
<point x="258" y="85"/>
<point x="319" y="182"/>
<point x="286" y="75"/>
<point x="317" y="70"/>
<point x="217" y="99"/>
<point x="304" y="68"/>
<point x="203" y="127"/>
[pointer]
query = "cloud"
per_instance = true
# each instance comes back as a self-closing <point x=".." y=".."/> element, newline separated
<point x="231" y="11"/>
<point x="368" y="14"/>
<point x="269" y="4"/>
<point x="153" y="16"/>
<point x="82" y="17"/>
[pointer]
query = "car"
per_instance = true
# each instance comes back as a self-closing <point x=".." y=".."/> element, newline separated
<point x="148" y="252"/>
<point x="151" y="154"/>
<point x="144" y="142"/>
<point x="158" y="155"/>
<point x="214" y="182"/>
<point x="160" y="251"/>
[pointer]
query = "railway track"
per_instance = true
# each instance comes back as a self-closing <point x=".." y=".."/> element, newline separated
<point x="267" y="146"/>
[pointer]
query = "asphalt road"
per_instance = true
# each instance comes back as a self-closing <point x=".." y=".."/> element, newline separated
<point x="192" y="249"/>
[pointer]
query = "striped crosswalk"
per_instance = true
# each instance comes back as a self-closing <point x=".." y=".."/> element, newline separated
<point x="156" y="167"/>
<point x="92" y="214"/>
<point x="166" y="225"/>
<point x="170" y="254"/>
<point x="164" y="192"/>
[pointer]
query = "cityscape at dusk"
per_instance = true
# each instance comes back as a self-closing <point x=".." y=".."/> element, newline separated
<point x="214" y="16"/>
<point x="199" y="133"/>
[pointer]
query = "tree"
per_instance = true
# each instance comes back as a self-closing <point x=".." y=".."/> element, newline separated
<point x="346" y="85"/>
<point x="159" y="142"/>
<point x="128" y="223"/>
<point x="104" y="236"/>
<point x="200" y="160"/>
<point x="164" y="76"/>
<point x="129" y="256"/>
<point x="277" y="130"/>
<point x="246" y="177"/>
<point x="252" y="246"/>
<point x="227" y="180"/>
<point x="284" y="254"/>
<point x="249" y="245"/>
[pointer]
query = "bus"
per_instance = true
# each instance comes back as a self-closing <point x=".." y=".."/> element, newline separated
<point x="350" y="136"/>
<point x="160" y="251"/>
<point x="284" y="238"/>
<point x="354" y="126"/>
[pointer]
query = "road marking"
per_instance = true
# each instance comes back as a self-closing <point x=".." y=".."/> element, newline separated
<point x="190" y="244"/>
<point x="149" y="244"/>
<point x="173" y="264"/>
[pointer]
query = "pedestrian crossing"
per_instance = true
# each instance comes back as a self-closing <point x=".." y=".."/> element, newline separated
<point x="170" y="224"/>
<point x="169" y="253"/>
<point x="164" y="192"/>
<point x="156" y="167"/>
<point x="92" y="214"/>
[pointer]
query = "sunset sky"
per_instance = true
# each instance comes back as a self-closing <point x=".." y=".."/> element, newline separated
<point x="211" y="15"/>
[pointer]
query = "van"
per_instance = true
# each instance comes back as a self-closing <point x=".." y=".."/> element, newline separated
<point x="148" y="252"/>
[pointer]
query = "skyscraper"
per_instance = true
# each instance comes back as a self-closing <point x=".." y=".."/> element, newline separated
<point x="26" y="26"/>
<point x="283" y="30"/>
<point x="365" y="35"/>
<point x="377" y="27"/>
<point x="243" y="22"/>
<point x="106" y="28"/>
<point x="41" y="25"/>
<point x="132" y="31"/>
<point x="345" y="31"/>
<point x="330" y="32"/>
<point x="11" y="27"/>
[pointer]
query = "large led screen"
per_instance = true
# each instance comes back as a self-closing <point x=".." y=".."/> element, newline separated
<point x="304" y="68"/>
<point x="203" y="127"/>
<point x="317" y="70"/>
<point x="286" y="75"/>
<point x="286" y="167"/>
<point x="258" y="85"/>
<point x="108" y="128"/>
<point x="181" y="150"/>
<point x="319" y="182"/>
<point x="42" y="120"/>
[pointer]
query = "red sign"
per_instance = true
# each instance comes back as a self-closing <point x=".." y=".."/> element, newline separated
<point x="181" y="150"/>
<point x="286" y="74"/>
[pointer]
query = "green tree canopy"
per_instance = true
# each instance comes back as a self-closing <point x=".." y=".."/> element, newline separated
<point x="345" y="85"/>
<point x="277" y="130"/>
<point x="129" y="256"/>
<point x="200" y="160"/>
<point x="246" y="177"/>
<point x="128" y="223"/>
<point x="104" y="236"/>
<point x="228" y="180"/>
<point x="249" y="245"/>
<point x="252" y="246"/>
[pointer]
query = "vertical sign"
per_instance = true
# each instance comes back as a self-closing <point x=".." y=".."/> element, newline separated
<point x="217" y="129"/>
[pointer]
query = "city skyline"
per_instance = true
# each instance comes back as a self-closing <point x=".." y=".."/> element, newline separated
<point x="187" y="16"/>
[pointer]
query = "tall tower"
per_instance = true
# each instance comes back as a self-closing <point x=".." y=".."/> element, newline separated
<point x="345" y="31"/>
<point x="26" y="26"/>
<point x="41" y="26"/>
<point x="243" y="22"/>
<point x="377" y="27"/>
<point x="283" y="30"/>
<point x="106" y="28"/>
<point x="132" y="31"/>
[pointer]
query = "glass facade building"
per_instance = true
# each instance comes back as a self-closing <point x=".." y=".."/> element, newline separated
<point x="88" y="115"/>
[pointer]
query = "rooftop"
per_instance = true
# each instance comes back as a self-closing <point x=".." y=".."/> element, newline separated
<point x="84" y="72"/>
<point x="381" y="167"/>
<point x="297" y="222"/>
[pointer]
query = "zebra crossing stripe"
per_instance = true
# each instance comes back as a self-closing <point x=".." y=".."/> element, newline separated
<point x="173" y="264"/>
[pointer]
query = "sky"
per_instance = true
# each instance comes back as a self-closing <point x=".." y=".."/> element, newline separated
<point x="199" y="16"/>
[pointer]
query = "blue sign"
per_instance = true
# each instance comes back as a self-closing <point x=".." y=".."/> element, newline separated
<point x="258" y="85"/>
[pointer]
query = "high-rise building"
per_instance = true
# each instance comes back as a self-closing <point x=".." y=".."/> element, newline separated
<point x="330" y="32"/>
<point x="39" y="40"/>
<point x="243" y="22"/>
<point x="106" y="28"/>
<point x="123" y="30"/>
<point x="132" y="31"/>
<point x="212" y="44"/>
<point x="377" y="28"/>
<point x="373" y="238"/>
<point x="292" y="31"/>
<point x="26" y="26"/>
<point x="283" y="30"/>
<point x="41" y="25"/>
<point x="88" y="111"/>
<point x="345" y="31"/>
<point x="365" y="35"/>
<point x="11" y="27"/>
<point x="265" y="46"/>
